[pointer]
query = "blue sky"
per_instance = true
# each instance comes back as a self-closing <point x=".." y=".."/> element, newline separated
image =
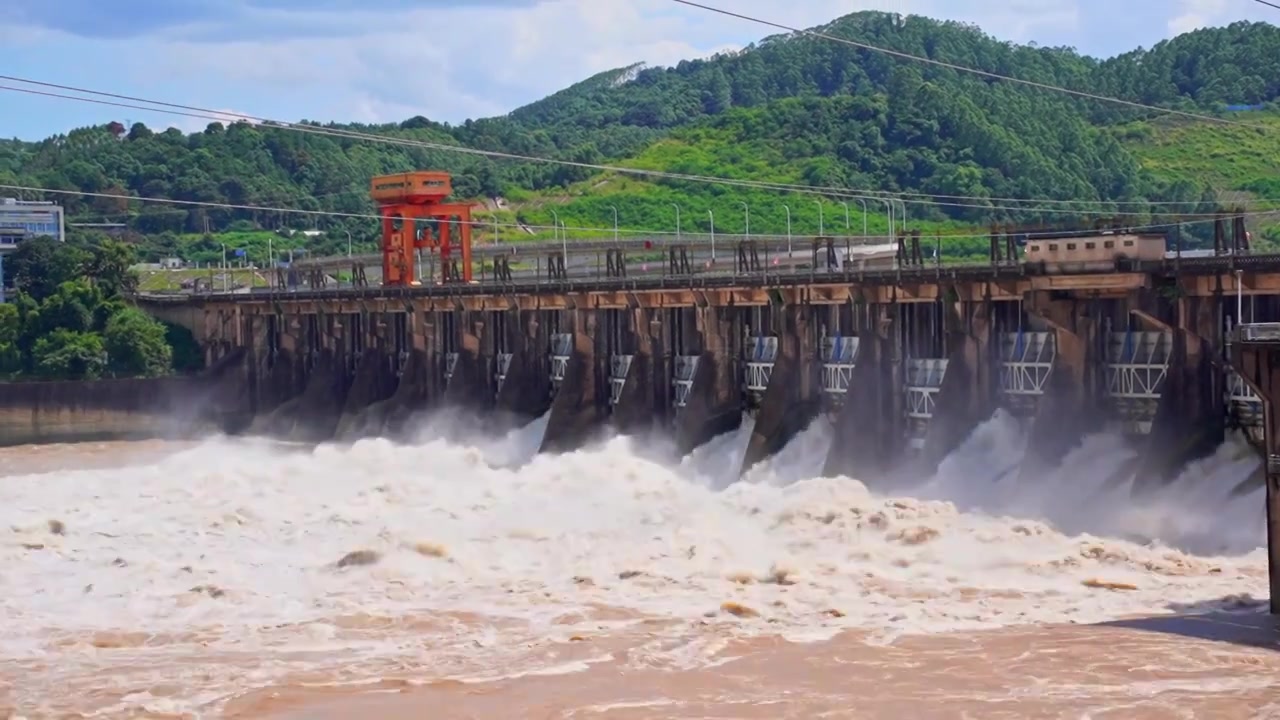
<point x="385" y="60"/>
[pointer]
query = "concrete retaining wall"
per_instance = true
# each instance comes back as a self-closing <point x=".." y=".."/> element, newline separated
<point x="171" y="407"/>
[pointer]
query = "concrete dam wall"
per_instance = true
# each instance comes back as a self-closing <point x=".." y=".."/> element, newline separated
<point x="904" y="374"/>
<point x="169" y="407"/>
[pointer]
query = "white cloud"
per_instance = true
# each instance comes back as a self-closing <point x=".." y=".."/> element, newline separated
<point x="461" y="62"/>
<point x="447" y="63"/>
<point x="1195" y="14"/>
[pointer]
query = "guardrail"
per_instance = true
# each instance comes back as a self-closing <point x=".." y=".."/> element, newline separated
<point x="723" y="244"/>
<point x="656" y="270"/>
<point x="655" y="281"/>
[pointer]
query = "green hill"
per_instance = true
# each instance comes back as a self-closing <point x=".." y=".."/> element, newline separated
<point x="794" y="110"/>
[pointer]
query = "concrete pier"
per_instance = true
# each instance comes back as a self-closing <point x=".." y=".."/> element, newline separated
<point x="706" y="388"/>
<point x="792" y="397"/>
<point x="581" y="389"/>
<point x="1255" y="356"/>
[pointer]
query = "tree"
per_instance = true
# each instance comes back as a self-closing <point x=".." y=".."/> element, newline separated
<point x="10" y="331"/>
<point x="69" y="355"/>
<point x="40" y="265"/>
<point x="70" y="307"/>
<point x="136" y="345"/>
<point x="109" y="266"/>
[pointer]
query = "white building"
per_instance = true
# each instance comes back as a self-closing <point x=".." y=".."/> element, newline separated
<point x="23" y="219"/>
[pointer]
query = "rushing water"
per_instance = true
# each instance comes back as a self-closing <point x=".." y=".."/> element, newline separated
<point x="153" y="580"/>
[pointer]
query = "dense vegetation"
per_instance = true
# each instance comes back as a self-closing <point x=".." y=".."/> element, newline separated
<point x="789" y="110"/>
<point x="69" y="321"/>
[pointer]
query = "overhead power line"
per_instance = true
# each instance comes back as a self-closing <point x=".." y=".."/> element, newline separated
<point x="983" y="203"/>
<point x="563" y="228"/>
<point x="1269" y="4"/>
<point x="975" y="71"/>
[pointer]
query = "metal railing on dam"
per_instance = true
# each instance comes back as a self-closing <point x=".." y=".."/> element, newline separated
<point x="695" y="270"/>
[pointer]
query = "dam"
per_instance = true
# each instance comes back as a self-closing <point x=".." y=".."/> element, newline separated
<point x="1070" y="332"/>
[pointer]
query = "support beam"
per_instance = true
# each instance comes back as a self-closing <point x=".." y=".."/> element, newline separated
<point x="1255" y="353"/>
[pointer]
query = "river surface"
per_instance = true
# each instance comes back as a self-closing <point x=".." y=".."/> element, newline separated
<point x="462" y="576"/>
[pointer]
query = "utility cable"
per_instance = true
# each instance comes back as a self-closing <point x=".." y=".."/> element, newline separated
<point x="876" y="195"/>
<point x="563" y="228"/>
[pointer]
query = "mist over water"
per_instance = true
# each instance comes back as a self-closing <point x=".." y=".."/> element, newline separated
<point x="477" y="549"/>
<point x="1196" y="512"/>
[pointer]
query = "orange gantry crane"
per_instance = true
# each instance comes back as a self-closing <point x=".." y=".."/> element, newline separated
<point x="415" y="216"/>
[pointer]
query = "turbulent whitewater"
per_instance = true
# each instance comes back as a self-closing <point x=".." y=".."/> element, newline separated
<point x="176" y="582"/>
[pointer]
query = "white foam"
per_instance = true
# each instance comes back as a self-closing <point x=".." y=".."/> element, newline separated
<point x="520" y="533"/>
<point x="1197" y="512"/>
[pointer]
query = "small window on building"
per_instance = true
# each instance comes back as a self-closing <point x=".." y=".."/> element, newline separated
<point x="1053" y="247"/>
<point x="1109" y="244"/>
<point x="1033" y="248"/>
<point x="1071" y="246"/>
<point x="1090" y="246"/>
<point x="1128" y="243"/>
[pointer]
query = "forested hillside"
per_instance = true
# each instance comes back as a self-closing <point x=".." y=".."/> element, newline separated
<point x="790" y="110"/>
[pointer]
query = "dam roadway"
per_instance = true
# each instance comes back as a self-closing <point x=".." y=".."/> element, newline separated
<point x="904" y="360"/>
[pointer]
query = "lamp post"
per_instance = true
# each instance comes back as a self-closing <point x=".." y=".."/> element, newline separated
<point x="555" y="230"/>
<point x="863" y="203"/>
<point x="615" y="223"/>
<point x="348" y="243"/>
<point x="677" y="207"/>
<point x="1239" y="297"/>
<point x="746" y="209"/>
<point x="889" y="205"/>
<point x="712" y="217"/>
<point x="821" y="227"/>
<point x="788" y="209"/>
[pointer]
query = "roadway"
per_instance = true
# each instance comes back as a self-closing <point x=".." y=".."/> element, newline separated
<point x="519" y="251"/>
<point x="527" y="264"/>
